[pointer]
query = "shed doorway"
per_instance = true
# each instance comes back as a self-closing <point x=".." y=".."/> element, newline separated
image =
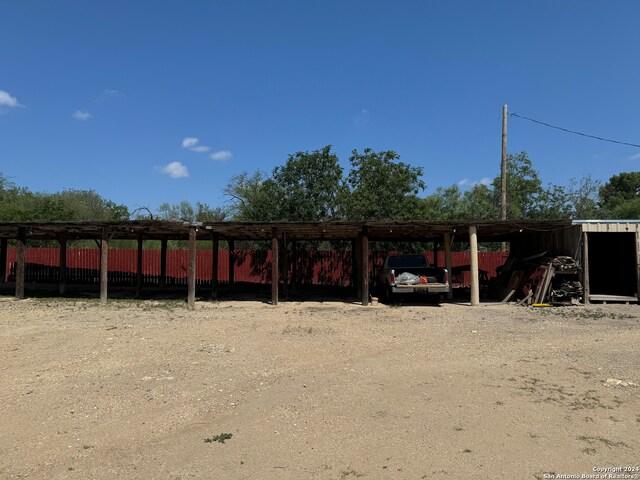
<point x="612" y="264"/>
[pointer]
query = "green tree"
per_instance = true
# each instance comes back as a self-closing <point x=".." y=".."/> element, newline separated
<point x="381" y="187"/>
<point x="307" y="187"/>
<point x="186" y="212"/>
<point x="620" y="196"/>
<point x="252" y="197"/>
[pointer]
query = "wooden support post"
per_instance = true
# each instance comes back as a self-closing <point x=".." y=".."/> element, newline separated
<point x="586" y="291"/>
<point x="364" y="268"/>
<point x="232" y="261"/>
<point x="191" y="280"/>
<point x="62" y="271"/>
<point x="104" y="265"/>
<point x="447" y="262"/>
<point x="475" y="277"/>
<point x="275" y="273"/>
<point x="215" y="248"/>
<point x="4" y="249"/>
<point x="139" y="267"/>
<point x="163" y="262"/>
<point x="20" y="254"/>
<point x="285" y="267"/>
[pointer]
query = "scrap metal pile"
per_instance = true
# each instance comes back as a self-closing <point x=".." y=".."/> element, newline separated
<point x="539" y="280"/>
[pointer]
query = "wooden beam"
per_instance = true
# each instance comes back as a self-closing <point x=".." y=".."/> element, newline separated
<point x="4" y="249"/>
<point x="20" y="254"/>
<point x="191" y="280"/>
<point x="104" y="265"/>
<point x="62" y="271"/>
<point x="232" y="261"/>
<point x="215" y="249"/>
<point x="163" y="262"/>
<point x="447" y="262"/>
<point x="275" y="273"/>
<point x="586" y="291"/>
<point x="364" y="267"/>
<point x="475" y="277"/>
<point x="139" y="266"/>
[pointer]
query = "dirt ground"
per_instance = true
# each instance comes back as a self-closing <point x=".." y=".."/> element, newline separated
<point x="326" y="390"/>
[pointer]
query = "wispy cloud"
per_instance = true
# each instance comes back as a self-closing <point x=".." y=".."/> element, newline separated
<point x="80" y="115"/>
<point x="635" y="157"/>
<point x="8" y="101"/>
<point x="221" y="156"/>
<point x="174" y="170"/>
<point x="363" y="118"/>
<point x="200" y="149"/>
<point x="191" y="143"/>
<point x="109" y="93"/>
<point x="471" y="183"/>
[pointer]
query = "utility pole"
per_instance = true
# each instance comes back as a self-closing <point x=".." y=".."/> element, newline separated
<point x="503" y="171"/>
<point x="503" y="165"/>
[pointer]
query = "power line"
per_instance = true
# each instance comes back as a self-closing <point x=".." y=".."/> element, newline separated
<point x="574" y="132"/>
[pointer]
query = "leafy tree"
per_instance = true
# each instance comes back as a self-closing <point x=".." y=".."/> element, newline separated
<point x="308" y="185"/>
<point x="381" y="187"/>
<point x="619" y="197"/>
<point x="252" y="197"/>
<point x="186" y="212"/>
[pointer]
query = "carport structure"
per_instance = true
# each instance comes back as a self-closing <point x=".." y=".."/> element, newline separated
<point x="280" y="235"/>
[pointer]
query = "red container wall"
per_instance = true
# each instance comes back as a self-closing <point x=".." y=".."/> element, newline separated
<point x="251" y="266"/>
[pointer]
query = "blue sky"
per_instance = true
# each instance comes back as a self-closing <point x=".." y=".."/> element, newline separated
<point x="122" y="97"/>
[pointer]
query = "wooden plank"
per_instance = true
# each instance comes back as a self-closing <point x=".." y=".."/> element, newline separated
<point x="612" y="298"/>
<point x="104" y="265"/>
<point x="364" y="268"/>
<point x="215" y="249"/>
<point x="275" y="269"/>
<point x="191" y="280"/>
<point x="20" y="254"/>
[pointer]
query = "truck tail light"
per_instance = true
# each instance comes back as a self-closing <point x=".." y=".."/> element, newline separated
<point x="446" y="276"/>
<point x="392" y="277"/>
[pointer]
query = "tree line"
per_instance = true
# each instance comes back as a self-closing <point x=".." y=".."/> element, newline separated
<point x="313" y="186"/>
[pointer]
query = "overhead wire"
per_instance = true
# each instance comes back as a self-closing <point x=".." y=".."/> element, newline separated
<point x="574" y="132"/>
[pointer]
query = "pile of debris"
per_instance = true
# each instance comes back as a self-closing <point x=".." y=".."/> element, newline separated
<point x="538" y="280"/>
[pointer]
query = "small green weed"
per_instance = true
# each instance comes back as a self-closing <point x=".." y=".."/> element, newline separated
<point x="218" y="438"/>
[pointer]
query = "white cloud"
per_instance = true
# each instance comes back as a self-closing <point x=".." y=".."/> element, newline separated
<point x="221" y="156"/>
<point x="112" y="93"/>
<point x="635" y="157"/>
<point x="175" y="170"/>
<point x="80" y="115"/>
<point x="471" y="183"/>
<point x="9" y="101"/>
<point x="189" y="142"/>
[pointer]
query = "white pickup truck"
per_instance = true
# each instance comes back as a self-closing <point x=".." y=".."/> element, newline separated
<point x="411" y="274"/>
